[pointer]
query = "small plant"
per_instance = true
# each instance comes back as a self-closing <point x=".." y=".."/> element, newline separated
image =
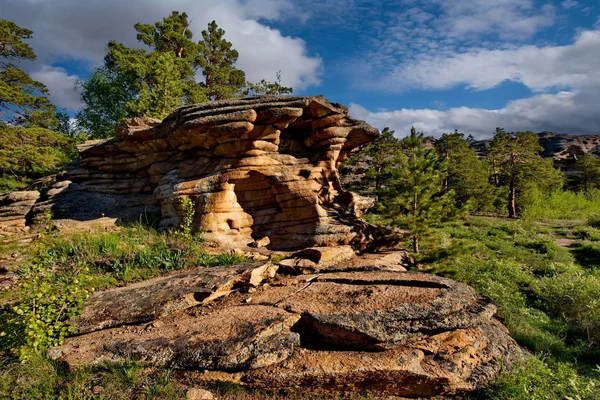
<point x="46" y="224"/>
<point x="47" y="302"/>
<point x="186" y="217"/>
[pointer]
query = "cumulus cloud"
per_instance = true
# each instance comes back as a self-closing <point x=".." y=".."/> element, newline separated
<point x="568" y="111"/>
<point x="61" y="86"/>
<point x="70" y="30"/>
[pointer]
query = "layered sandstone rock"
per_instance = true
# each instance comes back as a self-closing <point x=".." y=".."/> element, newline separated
<point x="14" y="208"/>
<point x="253" y="168"/>
<point x="394" y="333"/>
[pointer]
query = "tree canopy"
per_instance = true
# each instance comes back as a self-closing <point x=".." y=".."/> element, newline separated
<point x="516" y="163"/>
<point x="416" y="198"/>
<point x="23" y="100"/>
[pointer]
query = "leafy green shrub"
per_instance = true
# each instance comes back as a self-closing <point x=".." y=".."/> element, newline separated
<point x="186" y="217"/>
<point x="588" y="233"/>
<point x="575" y="296"/>
<point x="588" y="254"/>
<point x="594" y="221"/>
<point x="47" y="302"/>
<point x="536" y="380"/>
<point x="561" y="204"/>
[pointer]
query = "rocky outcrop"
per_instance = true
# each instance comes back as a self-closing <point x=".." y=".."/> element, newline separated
<point x="14" y="208"/>
<point x="256" y="168"/>
<point x="368" y="330"/>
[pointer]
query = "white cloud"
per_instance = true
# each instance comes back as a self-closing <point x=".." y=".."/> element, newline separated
<point x="570" y="112"/>
<point x="61" y="86"/>
<point x="509" y="19"/>
<point x="74" y="30"/>
<point x="567" y="4"/>
<point x="539" y="68"/>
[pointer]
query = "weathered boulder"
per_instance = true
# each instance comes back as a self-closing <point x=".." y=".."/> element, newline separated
<point x="14" y="208"/>
<point x="158" y="297"/>
<point x="393" y="333"/>
<point x="253" y="168"/>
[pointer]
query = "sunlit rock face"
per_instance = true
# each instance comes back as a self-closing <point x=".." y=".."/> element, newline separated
<point x="263" y="166"/>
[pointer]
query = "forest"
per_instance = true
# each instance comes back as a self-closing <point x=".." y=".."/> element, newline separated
<point x="502" y="219"/>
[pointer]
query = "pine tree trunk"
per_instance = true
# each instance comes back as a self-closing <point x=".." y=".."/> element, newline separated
<point x="512" y="208"/>
<point x="416" y="243"/>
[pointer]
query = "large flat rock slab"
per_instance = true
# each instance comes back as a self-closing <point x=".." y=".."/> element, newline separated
<point x="233" y="339"/>
<point x="158" y="297"/>
<point x="389" y="333"/>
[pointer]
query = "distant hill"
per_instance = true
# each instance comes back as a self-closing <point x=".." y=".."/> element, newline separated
<point x="559" y="146"/>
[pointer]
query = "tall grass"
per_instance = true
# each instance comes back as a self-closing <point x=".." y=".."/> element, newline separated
<point x="561" y="204"/>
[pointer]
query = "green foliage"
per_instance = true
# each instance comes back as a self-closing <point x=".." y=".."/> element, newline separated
<point x="517" y="166"/>
<point x="163" y="78"/>
<point x="588" y="177"/>
<point x="30" y="153"/>
<point x="560" y="204"/>
<point x="574" y="295"/>
<point x="265" y="87"/>
<point x="217" y="58"/>
<point x="162" y="88"/>
<point x="415" y="199"/>
<point x="373" y="164"/>
<point x="187" y="211"/>
<point x="535" y="380"/>
<point x="106" y="94"/>
<point x="467" y="175"/>
<point x="22" y="100"/>
<point x="47" y="303"/>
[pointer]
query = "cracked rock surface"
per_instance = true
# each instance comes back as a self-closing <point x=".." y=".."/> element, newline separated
<point x="374" y="330"/>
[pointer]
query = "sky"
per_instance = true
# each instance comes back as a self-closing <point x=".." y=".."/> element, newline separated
<point x="438" y="65"/>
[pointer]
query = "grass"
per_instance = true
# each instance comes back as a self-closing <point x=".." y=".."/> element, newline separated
<point x="548" y="298"/>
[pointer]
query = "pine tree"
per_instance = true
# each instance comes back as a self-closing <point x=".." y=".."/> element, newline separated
<point x="160" y="93"/>
<point x="417" y="200"/>
<point x="515" y="157"/>
<point x="373" y="166"/>
<point x="23" y="100"/>
<point x="588" y="166"/>
<point x="217" y="58"/>
<point x="467" y="175"/>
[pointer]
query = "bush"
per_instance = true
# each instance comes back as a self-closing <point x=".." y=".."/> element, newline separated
<point x="536" y="380"/>
<point x="575" y="296"/>
<point x="561" y="204"/>
<point x="47" y="301"/>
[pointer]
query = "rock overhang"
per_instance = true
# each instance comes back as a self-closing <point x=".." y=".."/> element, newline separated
<point x="254" y="167"/>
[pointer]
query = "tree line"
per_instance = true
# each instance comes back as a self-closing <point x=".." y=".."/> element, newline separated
<point x="420" y="182"/>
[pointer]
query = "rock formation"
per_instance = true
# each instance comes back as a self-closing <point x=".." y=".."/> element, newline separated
<point x="14" y="207"/>
<point x="264" y="166"/>
<point x="355" y="327"/>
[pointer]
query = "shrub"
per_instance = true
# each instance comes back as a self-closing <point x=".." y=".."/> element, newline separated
<point x="536" y="380"/>
<point x="575" y="296"/>
<point x="561" y="204"/>
<point x="47" y="302"/>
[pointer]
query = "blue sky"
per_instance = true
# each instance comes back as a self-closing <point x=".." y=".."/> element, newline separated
<point x="439" y="65"/>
